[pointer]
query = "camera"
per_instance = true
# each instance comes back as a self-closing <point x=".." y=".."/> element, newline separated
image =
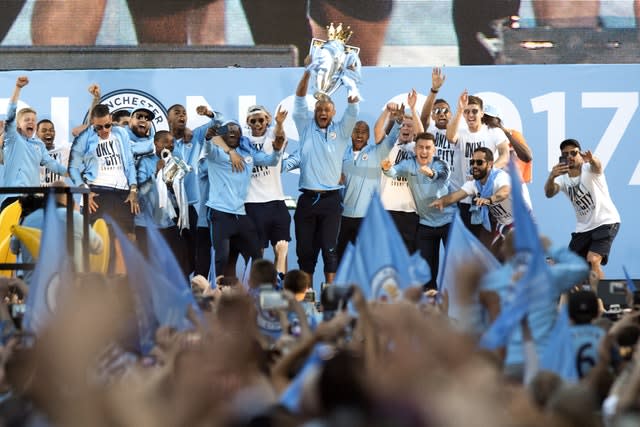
<point x="270" y="299"/>
<point x="334" y="298"/>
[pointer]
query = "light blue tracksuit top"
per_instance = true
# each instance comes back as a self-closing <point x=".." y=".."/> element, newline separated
<point x="83" y="162"/>
<point x="190" y="153"/>
<point x="24" y="156"/>
<point x="141" y="145"/>
<point x="425" y="189"/>
<point x="150" y="213"/>
<point x="322" y="150"/>
<point x="362" y="174"/>
<point x="228" y="189"/>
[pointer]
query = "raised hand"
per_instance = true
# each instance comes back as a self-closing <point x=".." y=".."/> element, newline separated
<point x="463" y="101"/>
<point x="412" y="99"/>
<point x="22" y="81"/>
<point x="94" y="90"/>
<point x="281" y="115"/>
<point x="437" y="78"/>
<point x="203" y="110"/>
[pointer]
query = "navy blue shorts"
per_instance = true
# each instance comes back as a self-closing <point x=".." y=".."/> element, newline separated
<point x="272" y="220"/>
<point x="598" y="240"/>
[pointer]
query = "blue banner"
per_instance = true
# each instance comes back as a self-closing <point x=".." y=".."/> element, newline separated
<point x="595" y="104"/>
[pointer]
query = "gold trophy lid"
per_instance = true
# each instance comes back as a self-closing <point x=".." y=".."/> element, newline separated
<point x="339" y="33"/>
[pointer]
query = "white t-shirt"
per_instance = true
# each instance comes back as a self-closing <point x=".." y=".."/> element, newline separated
<point x="266" y="181"/>
<point x="468" y="142"/>
<point x="445" y="150"/>
<point x="394" y="192"/>
<point x="110" y="165"/>
<point x="589" y="195"/>
<point x="502" y="211"/>
<point x="59" y="154"/>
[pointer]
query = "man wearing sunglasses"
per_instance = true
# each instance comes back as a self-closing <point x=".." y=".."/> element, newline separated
<point x="435" y="117"/>
<point x="265" y="198"/>
<point x="490" y="192"/>
<point x="141" y="131"/>
<point x="467" y="141"/>
<point x="101" y="158"/>
<point x="580" y="176"/>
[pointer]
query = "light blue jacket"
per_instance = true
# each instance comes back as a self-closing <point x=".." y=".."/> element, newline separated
<point x="228" y="189"/>
<point x="322" y="150"/>
<point x="141" y="145"/>
<point x="150" y="213"/>
<point x="24" y="156"/>
<point x="426" y="189"/>
<point x="83" y="162"/>
<point x="190" y="153"/>
<point x="362" y="174"/>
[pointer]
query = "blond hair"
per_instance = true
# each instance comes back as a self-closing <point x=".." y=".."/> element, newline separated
<point x="24" y="111"/>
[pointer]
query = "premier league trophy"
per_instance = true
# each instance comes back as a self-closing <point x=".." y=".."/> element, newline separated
<point x="334" y="63"/>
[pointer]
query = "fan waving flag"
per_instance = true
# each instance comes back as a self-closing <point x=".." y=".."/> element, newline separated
<point x="379" y="262"/>
<point x="52" y="272"/>
<point x="630" y="285"/>
<point x="559" y="356"/>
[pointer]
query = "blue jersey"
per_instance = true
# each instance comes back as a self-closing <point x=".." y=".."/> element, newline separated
<point x="362" y="174"/>
<point x="426" y="189"/>
<point x="150" y="212"/>
<point x="141" y="145"/>
<point x="322" y="150"/>
<point x="586" y="340"/>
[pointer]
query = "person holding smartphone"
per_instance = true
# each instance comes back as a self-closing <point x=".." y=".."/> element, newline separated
<point x="580" y="175"/>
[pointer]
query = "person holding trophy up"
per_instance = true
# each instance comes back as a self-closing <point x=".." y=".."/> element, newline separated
<point x="323" y="142"/>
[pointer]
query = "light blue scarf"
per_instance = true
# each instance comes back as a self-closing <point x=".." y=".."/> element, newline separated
<point x="480" y="214"/>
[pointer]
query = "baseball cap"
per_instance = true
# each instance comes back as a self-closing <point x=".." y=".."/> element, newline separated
<point x="146" y="110"/>
<point x="583" y="306"/>
<point x="256" y="109"/>
<point x="490" y="110"/>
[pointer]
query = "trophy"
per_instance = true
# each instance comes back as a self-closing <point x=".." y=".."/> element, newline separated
<point x="174" y="168"/>
<point x="334" y="63"/>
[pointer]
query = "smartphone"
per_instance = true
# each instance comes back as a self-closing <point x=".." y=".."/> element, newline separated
<point x="17" y="310"/>
<point x="562" y="160"/>
<point x="272" y="300"/>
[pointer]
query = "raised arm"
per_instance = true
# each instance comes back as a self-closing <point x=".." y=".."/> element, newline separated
<point x="412" y="99"/>
<point x="503" y="155"/>
<point x="452" y="129"/>
<point x="94" y="90"/>
<point x="303" y="84"/>
<point x="520" y="147"/>
<point x="380" y="127"/>
<point x="437" y="80"/>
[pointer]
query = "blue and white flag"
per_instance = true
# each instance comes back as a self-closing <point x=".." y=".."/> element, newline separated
<point x="463" y="248"/>
<point x="630" y="285"/>
<point x="291" y="396"/>
<point x="535" y="283"/>
<point x="380" y="263"/>
<point x="52" y="273"/>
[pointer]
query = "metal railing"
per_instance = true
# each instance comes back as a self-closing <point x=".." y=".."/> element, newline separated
<point x="69" y="192"/>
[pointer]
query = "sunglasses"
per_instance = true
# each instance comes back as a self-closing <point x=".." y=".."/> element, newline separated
<point x="472" y="111"/>
<point x="142" y="117"/>
<point x="254" y="121"/>
<point x="476" y="162"/>
<point x="98" y="128"/>
<point x="571" y="153"/>
<point x="441" y="111"/>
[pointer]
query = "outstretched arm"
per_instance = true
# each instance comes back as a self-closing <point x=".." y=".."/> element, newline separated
<point x="449" y="199"/>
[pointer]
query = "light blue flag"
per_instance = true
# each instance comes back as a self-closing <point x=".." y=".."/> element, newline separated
<point x="290" y="397"/>
<point x="139" y="274"/>
<point x="52" y="273"/>
<point x="630" y="285"/>
<point x="560" y="355"/>
<point x="163" y="261"/>
<point x="246" y="273"/>
<point x="534" y="285"/>
<point x="380" y="263"/>
<point x="462" y="248"/>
